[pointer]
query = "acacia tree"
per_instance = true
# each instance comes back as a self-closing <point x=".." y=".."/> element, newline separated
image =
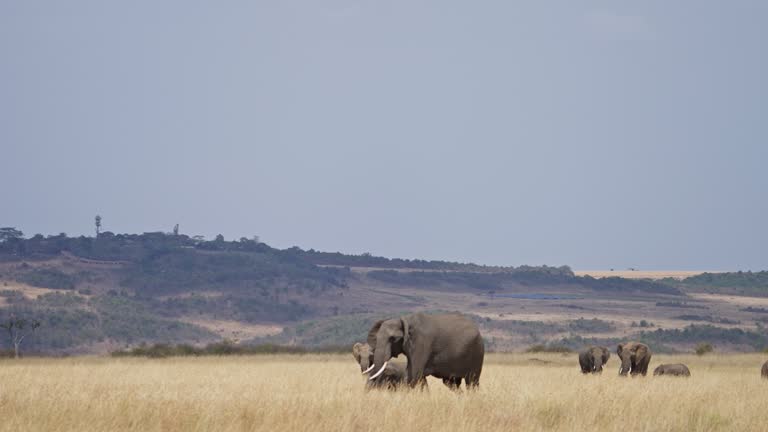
<point x="18" y="329"/>
<point x="12" y="240"/>
<point x="10" y="234"/>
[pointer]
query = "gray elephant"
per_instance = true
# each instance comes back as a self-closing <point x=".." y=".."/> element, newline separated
<point x="393" y="375"/>
<point x="593" y="359"/>
<point x="677" y="369"/>
<point x="764" y="370"/>
<point x="634" y="357"/>
<point x="446" y="346"/>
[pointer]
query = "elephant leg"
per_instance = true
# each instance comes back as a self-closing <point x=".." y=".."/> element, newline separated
<point x="643" y="366"/>
<point x="453" y="383"/>
<point x="473" y="380"/>
<point x="415" y="369"/>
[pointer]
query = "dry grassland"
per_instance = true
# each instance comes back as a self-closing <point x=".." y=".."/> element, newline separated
<point x="325" y="393"/>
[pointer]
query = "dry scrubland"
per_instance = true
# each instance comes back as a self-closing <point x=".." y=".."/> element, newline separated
<point x="325" y="393"/>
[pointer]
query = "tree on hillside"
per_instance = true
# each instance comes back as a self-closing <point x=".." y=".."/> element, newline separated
<point x="18" y="329"/>
<point x="98" y="225"/>
<point x="12" y="241"/>
<point x="10" y="233"/>
<point x="176" y="229"/>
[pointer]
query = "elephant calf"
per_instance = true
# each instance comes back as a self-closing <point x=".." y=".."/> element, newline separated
<point x="677" y="369"/>
<point x="764" y="371"/>
<point x="394" y="374"/>
<point x="593" y="359"/>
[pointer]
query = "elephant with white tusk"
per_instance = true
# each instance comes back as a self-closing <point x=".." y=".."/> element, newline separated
<point x="446" y="346"/>
<point x="634" y="357"/>
<point x="593" y="359"/>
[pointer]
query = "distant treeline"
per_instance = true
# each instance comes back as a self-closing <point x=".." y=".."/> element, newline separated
<point x="223" y="348"/>
<point x="741" y="282"/>
<point x="136" y="247"/>
<point x="368" y="260"/>
<point x="524" y="275"/>
<point x="758" y="340"/>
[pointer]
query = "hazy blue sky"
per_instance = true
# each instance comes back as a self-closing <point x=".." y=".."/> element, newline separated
<point x="591" y="133"/>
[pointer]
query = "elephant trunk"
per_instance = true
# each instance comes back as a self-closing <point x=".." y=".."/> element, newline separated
<point x="626" y="365"/>
<point x="381" y="356"/>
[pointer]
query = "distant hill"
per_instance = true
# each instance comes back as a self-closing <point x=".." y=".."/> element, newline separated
<point x="119" y="290"/>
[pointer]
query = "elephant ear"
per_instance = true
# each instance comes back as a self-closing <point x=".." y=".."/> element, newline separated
<point x="372" y="333"/>
<point x="641" y="350"/>
<point x="406" y="331"/>
<point x="619" y="349"/>
<point x="356" y="348"/>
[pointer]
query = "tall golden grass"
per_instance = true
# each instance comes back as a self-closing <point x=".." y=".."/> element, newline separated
<point x="326" y="393"/>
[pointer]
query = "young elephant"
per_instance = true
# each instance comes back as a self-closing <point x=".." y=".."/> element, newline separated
<point x="634" y="357"/>
<point x="593" y="359"/>
<point x="677" y="369"/>
<point x="764" y="371"/>
<point x="393" y="375"/>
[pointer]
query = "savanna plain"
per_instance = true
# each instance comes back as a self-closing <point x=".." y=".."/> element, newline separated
<point x="520" y="392"/>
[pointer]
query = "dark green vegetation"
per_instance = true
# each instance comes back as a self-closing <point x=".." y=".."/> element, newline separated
<point x="707" y="318"/>
<point x="492" y="283"/>
<point x="755" y="310"/>
<point x="679" y="304"/>
<point x="717" y="336"/>
<point x="743" y="283"/>
<point x="222" y="348"/>
<point x="70" y="320"/>
<point x="117" y="290"/>
<point x="46" y="278"/>
<point x="541" y="348"/>
<point x="704" y="348"/>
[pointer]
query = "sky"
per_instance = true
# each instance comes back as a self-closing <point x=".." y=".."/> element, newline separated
<point x="595" y="134"/>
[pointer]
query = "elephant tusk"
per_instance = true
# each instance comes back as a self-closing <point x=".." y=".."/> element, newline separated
<point x="369" y="369"/>
<point x="381" y="371"/>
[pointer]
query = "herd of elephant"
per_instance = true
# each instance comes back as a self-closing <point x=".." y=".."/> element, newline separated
<point x="449" y="347"/>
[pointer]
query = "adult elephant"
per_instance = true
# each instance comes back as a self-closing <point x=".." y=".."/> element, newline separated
<point x="634" y="357"/>
<point x="764" y="370"/>
<point x="593" y="359"/>
<point x="446" y="346"/>
<point x="677" y="369"/>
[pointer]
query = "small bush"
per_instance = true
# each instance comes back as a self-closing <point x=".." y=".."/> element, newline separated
<point x="47" y="278"/>
<point x="12" y="296"/>
<point x="541" y="348"/>
<point x="704" y="348"/>
<point x="593" y="325"/>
